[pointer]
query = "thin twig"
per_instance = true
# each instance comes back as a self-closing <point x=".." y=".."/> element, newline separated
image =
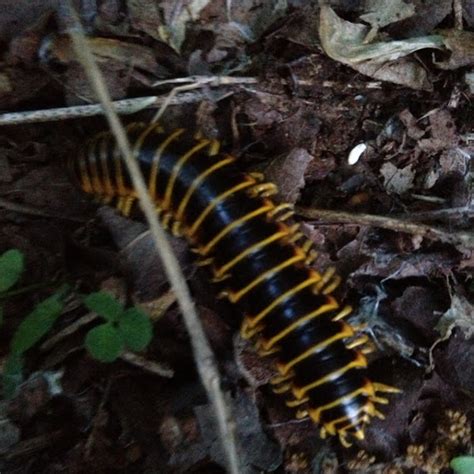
<point x="124" y="107"/>
<point x="133" y="105"/>
<point x="210" y="81"/>
<point x="464" y="212"/>
<point x="205" y="362"/>
<point x="456" y="238"/>
<point x="457" y="9"/>
<point x="150" y="366"/>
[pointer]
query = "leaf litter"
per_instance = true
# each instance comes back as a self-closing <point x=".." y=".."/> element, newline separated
<point x="384" y="74"/>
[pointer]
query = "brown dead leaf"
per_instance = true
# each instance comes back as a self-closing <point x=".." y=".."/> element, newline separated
<point x="443" y="132"/>
<point x="18" y="86"/>
<point x="344" y="41"/>
<point x="177" y="16"/>
<point x="143" y="265"/>
<point x="16" y="16"/>
<point x="460" y="314"/>
<point x="421" y="307"/>
<point x="427" y="16"/>
<point x="145" y="16"/>
<point x="288" y="173"/>
<point x="129" y="55"/>
<point x="410" y="122"/>
<point x="397" y="180"/>
<point x="461" y="45"/>
<point x="381" y="13"/>
<point x="453" y="363"/>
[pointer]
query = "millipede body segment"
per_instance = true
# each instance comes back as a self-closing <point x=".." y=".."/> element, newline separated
<point x="264" y="262"/>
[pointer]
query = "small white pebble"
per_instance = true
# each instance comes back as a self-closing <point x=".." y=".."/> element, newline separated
<point x="356" y="153"/>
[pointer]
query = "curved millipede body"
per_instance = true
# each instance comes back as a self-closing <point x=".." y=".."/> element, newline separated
<point x="264" y="262"/>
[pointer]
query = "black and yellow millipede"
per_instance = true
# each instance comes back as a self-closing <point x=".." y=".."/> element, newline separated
<point x="263" y="260"/>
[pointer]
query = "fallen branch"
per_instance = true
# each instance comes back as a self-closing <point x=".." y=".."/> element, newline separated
<point x="465" y="239"/>
<point x="123" y="107"/>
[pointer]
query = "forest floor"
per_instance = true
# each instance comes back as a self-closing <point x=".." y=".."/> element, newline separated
<point x="291" y="88"/>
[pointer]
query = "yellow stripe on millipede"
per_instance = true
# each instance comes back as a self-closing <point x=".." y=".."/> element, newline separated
<point x="198" y="181"/>
<point x="330" y="426"/>
<point x="329" y="306"/>
<point x="84" y="174"/>
<point x="216" y="201"/>
<point x="314" y="278"/>
<point x="315" y="413"/>
<point x="154" y="168"/>
<point x="251" y="215"/>
<point x="177" y="168"/>
<point x="359" y="362"/>
<point x="263" y="243"/>
<point x="235" y="296"/>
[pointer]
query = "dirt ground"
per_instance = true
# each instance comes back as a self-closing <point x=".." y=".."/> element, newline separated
<point x="290" y="87"/>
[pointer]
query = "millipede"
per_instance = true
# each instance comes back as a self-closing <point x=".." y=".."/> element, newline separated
<point x="264" y="261"/>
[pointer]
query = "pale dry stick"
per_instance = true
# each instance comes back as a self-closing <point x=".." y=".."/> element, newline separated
<point x="457" y="9"/>
<point x="196" y="82"/>
<point x="447" y="213"/>
<point x="133" y="105"/>
<point x="203" y="355"/>
<point x="211" y="81"/>
<point x="456" y="238"/>
<point x="148" y="365"/>
<point x="124" y="107"/>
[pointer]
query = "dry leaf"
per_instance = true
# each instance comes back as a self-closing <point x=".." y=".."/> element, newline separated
<point x="397" y="180"/>
<point x="460" y="314"/>
<point x="384" y="12"/>
<point x="344" y="41"/>
<point x="174" y="31"/>
<point x="104" y="49"/>
<point x="461" y="45"/>
<point x="288" y="173"/>
<point x="145" y="16"/>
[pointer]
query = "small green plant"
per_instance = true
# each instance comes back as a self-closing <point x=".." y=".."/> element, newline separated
<point x="123" y="328"/>
<point x="32" y="328"/>
<point x="11" y="267"/>
<point x="463" y="465"/>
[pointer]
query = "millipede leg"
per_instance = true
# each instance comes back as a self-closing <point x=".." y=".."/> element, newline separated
<point x="282" y="212"/>
<point x="263" y="190"/>
<point x="282" y="388"/>
<point x="326" y="278"/>
<point x="296" y="403"/>
<point x="257" y="176"/>
<point x="343" y="313"/>
<point x="278" y="379"/>
<point x="357" y="342"/>
<point x="301" y="414"/>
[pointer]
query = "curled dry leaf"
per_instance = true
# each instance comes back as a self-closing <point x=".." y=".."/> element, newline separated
<point x="461" y="45"/>
<point x="384" y="12"/>
<point x="145" y="16"/>
<point x="344" y="41"/>
<point x="460" y="314"/>
<point x="140" y="57"/>
<point x="177" y="15"/>
<point x="443" y="133"/>
<point x="288" y="173"/>
<point x="16" y="16"/>
<point x="141" y="260"/>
